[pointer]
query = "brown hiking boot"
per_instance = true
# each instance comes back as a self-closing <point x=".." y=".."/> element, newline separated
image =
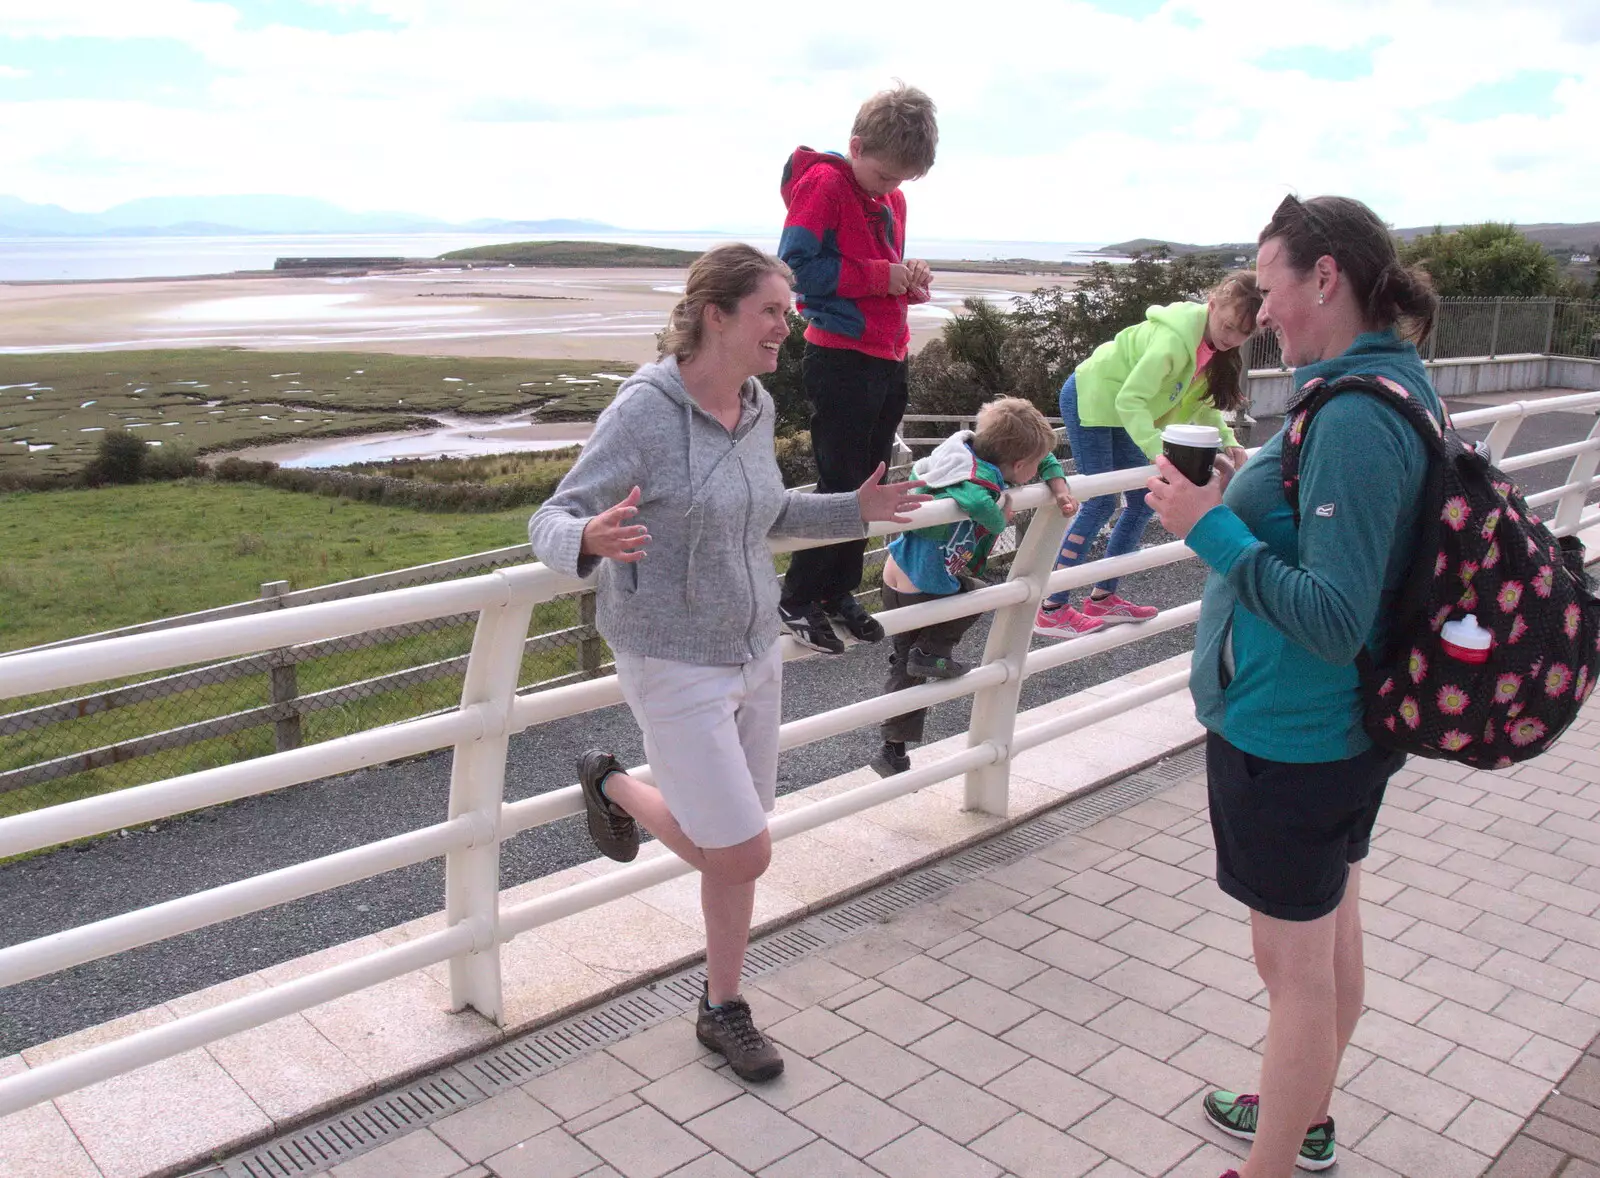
<point x="729" y="1031"/>
<point x="615" y="833"/>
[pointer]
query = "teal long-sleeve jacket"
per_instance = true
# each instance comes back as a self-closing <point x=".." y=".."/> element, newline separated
<point x="1298" y="603"/>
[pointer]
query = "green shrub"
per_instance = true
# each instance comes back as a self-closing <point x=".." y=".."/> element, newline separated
<point x="795" y="461"/>
<point x="119" y="458"/>
<point x="1028" y="352"/>
<point x="407" y="491"/>
<point x="171" y="461"/>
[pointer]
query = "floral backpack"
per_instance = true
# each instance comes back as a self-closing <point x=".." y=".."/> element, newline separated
<point x="1480" y="552"/>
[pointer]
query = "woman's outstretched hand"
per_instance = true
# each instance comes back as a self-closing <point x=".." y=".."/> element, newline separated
<point x="610" y="535"/>
<point x="888" y="502"/>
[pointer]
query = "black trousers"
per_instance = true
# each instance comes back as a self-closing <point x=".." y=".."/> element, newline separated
<point x="939" y="640"/>
<point x="856" y="405"/>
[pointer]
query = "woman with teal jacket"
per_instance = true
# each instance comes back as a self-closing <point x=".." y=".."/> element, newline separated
<point x="1182" y="364"/>
<point x="1294" y="783"/>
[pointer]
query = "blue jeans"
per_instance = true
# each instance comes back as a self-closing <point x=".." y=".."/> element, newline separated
<point x="1098" y="449"/>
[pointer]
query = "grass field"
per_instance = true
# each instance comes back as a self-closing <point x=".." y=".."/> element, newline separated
<point x="54" y="407"/>
<point x="83" y="561"/>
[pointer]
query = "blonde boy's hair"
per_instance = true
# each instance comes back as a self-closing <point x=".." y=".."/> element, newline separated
<point x="1011" y="429"/>
<point x="898" y="126"/>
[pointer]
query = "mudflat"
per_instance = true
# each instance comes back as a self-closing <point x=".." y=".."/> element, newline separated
<point x="537" y="313"/>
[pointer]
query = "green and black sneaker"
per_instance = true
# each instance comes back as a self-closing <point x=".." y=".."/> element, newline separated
<point x="920" y="664"/>
<point x="1235" y="1113"/>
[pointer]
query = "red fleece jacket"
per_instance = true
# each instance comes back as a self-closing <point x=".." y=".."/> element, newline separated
<point x="840" y="240"/>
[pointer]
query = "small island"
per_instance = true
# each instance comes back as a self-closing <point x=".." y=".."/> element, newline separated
<point x="573" y="254"/>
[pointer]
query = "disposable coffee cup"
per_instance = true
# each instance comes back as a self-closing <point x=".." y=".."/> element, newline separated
<point x="1192" y="449"/>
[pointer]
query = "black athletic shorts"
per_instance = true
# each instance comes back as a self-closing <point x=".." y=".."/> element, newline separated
<point x="1287" y="833"/>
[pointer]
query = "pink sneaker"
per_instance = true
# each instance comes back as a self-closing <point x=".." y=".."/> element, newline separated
<point x="1113" y="610"/>
<point x="1065" y="622"/>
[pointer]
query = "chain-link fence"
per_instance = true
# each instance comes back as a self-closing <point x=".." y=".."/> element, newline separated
<point x="65" y="745"/>
<point x="1489" y="327"/>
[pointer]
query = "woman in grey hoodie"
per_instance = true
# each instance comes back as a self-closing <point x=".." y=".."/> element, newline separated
<point x="680" y="467"/>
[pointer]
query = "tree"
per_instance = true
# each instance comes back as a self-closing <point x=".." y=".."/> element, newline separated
<point x="788" y="393"/>
<point x="978" y="338"/>
<point x="1485" y="261"/>
<point x="1028" y="352"/>
<point x="1064" y="326"/>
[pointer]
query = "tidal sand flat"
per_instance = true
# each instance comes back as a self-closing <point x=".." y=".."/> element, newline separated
<point x="576" y="314"/>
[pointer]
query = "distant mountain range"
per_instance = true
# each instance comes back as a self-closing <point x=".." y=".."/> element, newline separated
<point x="234" y="215"/>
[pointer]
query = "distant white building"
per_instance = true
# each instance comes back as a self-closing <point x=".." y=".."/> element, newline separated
<point x="1580" y="259"/>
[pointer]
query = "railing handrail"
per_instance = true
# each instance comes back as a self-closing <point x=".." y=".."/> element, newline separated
<point x="491" y="710"/>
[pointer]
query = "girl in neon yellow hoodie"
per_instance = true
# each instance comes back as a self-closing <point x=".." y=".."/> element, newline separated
<point x="1182" y="364"/>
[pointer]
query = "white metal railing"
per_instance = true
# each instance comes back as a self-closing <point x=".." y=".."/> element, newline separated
<point x="490" y="711"/>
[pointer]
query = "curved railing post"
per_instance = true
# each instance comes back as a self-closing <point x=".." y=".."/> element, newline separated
<point x="1500" y="435"/>
<point x="1569" y="508"/>
<point x="994" y="709"/>
<point x="477" y="787"/>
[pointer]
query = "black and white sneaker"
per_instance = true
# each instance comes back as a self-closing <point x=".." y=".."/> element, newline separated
<point x="810" y="627"/>
<point x="862" y="625"/>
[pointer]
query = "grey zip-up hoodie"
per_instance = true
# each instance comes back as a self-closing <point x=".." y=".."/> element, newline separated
<point x="706" y="592"/>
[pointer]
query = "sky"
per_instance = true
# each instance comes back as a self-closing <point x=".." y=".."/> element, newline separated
<point x="1060" y="120"/>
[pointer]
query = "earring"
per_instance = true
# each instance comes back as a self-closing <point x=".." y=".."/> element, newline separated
<point x="1321" y="299"/>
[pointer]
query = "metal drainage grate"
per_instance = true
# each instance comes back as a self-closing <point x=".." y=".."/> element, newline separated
<point x="371" y="1125"/>
<point x="1190" y="761"/>
<point x="523" y="1059"/>
<point x="360" y="1129"/>
<point x="877" y="906"/>
<point x="1113" y="799"/>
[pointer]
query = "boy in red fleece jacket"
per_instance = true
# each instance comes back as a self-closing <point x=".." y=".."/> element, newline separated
<point x="844" y="237"/>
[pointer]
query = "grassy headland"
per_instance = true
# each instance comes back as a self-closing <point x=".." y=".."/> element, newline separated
<point x="1007" y="266"/>
<point x="224" y="398"/>
<point x="598" y="253"/>
<point x="574" y="254"/>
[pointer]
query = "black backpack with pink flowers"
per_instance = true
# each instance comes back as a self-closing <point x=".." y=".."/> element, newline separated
<point x="1480" y="551"/>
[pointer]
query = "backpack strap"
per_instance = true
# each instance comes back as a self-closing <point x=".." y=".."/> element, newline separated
<point x="1316" y="393"/>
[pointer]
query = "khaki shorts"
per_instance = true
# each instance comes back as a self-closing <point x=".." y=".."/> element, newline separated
<point x="711" y="734"/>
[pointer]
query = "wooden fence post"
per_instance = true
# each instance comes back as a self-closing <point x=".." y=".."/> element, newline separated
<point x="591" y="651"/>
<point x="285" y="681"/>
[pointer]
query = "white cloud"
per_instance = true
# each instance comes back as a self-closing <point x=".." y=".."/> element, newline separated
<point x="1059" y="120"/>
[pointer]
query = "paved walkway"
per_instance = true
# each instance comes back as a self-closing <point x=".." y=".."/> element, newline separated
<point x="1061" y="1015"/>
<point x="1560" y="1139"/>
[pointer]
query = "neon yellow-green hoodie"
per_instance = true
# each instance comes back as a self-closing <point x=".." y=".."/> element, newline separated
<point x="1143" y="379"/>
